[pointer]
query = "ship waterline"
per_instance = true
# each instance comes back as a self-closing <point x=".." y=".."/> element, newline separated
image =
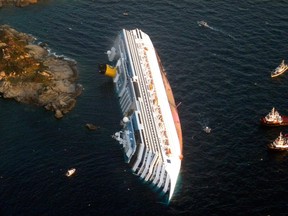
<point x="151" y="133"/>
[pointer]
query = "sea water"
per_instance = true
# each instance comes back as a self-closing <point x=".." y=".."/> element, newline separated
<point x="221" y="76"/>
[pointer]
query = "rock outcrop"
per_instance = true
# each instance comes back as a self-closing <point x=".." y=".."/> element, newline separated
<point x="30" y="74"/>
<point x="92" y="126"/>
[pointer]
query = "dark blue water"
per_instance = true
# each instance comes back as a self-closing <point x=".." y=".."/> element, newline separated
<point x="220" y="74"/>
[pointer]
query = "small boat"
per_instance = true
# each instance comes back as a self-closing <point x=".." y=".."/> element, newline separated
<point x="207" y="129"/>
<point x="92" y="126"/>
<point x="70" y="172"/>
<point x="280" y="69"/>
<point x="203" y="23"/>
<point x="280" y="143"/>
<point x="273" y="118"/>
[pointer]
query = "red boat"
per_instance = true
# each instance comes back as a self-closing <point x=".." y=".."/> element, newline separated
<point x="280" y="143"/>
<point x="273" y="118"/>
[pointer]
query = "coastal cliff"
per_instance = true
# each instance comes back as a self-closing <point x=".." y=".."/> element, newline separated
<point x="30" y="74"/>
<point x="17" y="3"/>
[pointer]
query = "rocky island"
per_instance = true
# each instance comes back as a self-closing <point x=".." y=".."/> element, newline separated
<point x="30" y="74"/>
<point x="17" y="3"/>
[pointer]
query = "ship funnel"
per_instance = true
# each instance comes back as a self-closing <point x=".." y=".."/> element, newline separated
<point x="107" y="70"/>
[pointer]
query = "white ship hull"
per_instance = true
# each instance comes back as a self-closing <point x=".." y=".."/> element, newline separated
<point x="151" y="135"/>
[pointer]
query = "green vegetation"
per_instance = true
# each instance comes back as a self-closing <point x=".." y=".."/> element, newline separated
<point x="15" y="60"/>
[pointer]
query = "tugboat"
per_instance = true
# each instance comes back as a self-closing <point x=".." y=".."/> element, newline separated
<point x="280" y="69"/>
<point x="280" y="143"/>
<point x="273" y="118"/>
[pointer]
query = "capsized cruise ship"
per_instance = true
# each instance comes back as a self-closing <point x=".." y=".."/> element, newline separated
<point x="151" y="133"/>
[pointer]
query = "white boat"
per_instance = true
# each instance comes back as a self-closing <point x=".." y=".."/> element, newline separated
<point x="207" y="129"/>
<point x="273" y="118"/>
<point x="203" y="23"/>
<point x="70" y="172"/>
<point x="280" y="143"/>
<point x="280" y="69"/>
<point x="151" y="133"/>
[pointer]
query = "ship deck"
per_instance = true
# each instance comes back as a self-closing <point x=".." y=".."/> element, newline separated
<point x="155" y="107"/>
<point x="156" y="113"/>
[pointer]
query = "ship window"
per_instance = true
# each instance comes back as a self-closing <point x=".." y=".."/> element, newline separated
<point x="134" y="120"/>
<point x="128" y="68"/>
<point x="143" y="137"/>
<point x="168" y="161"/>
<point x="121" y="78"/>
<point x="136" y="88"/>
<point x="123" y="49"/>
<point x="137" y="136"/>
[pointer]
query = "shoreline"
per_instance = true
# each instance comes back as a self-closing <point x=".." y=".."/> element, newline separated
<point x="17" y="3"/>
<point x="31" y="74"/>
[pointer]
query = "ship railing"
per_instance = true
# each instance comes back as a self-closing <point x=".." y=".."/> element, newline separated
<point x="155" y="166"/>
<point x="156" y="107"/>
<point x="166" y="185"/>
<point x="157" y="172"/>
<point x="147" y="164"/>
<point x="162" y="177"/>
<point x="152" y="167"/>
<point x="143" y="92"/>
<point x="152" y="123"/>
<point x="149" y="139"/>
<point x="141" y="63"/>
<point x="142" y="168"/>
<point x="157" y="110"/>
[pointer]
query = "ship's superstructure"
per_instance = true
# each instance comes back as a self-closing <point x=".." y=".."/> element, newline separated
<point x="151" y="132"/>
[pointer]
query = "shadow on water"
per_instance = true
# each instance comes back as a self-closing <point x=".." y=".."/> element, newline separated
<point x="279" y="156"/>
<point x="107" y="88"/>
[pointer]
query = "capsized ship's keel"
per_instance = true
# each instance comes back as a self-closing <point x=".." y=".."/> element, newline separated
<point x="151" y="133"/>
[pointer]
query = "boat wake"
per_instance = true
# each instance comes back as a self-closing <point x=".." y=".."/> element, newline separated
<point x="204" y="124"/>
<point x="205" y="24"/>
